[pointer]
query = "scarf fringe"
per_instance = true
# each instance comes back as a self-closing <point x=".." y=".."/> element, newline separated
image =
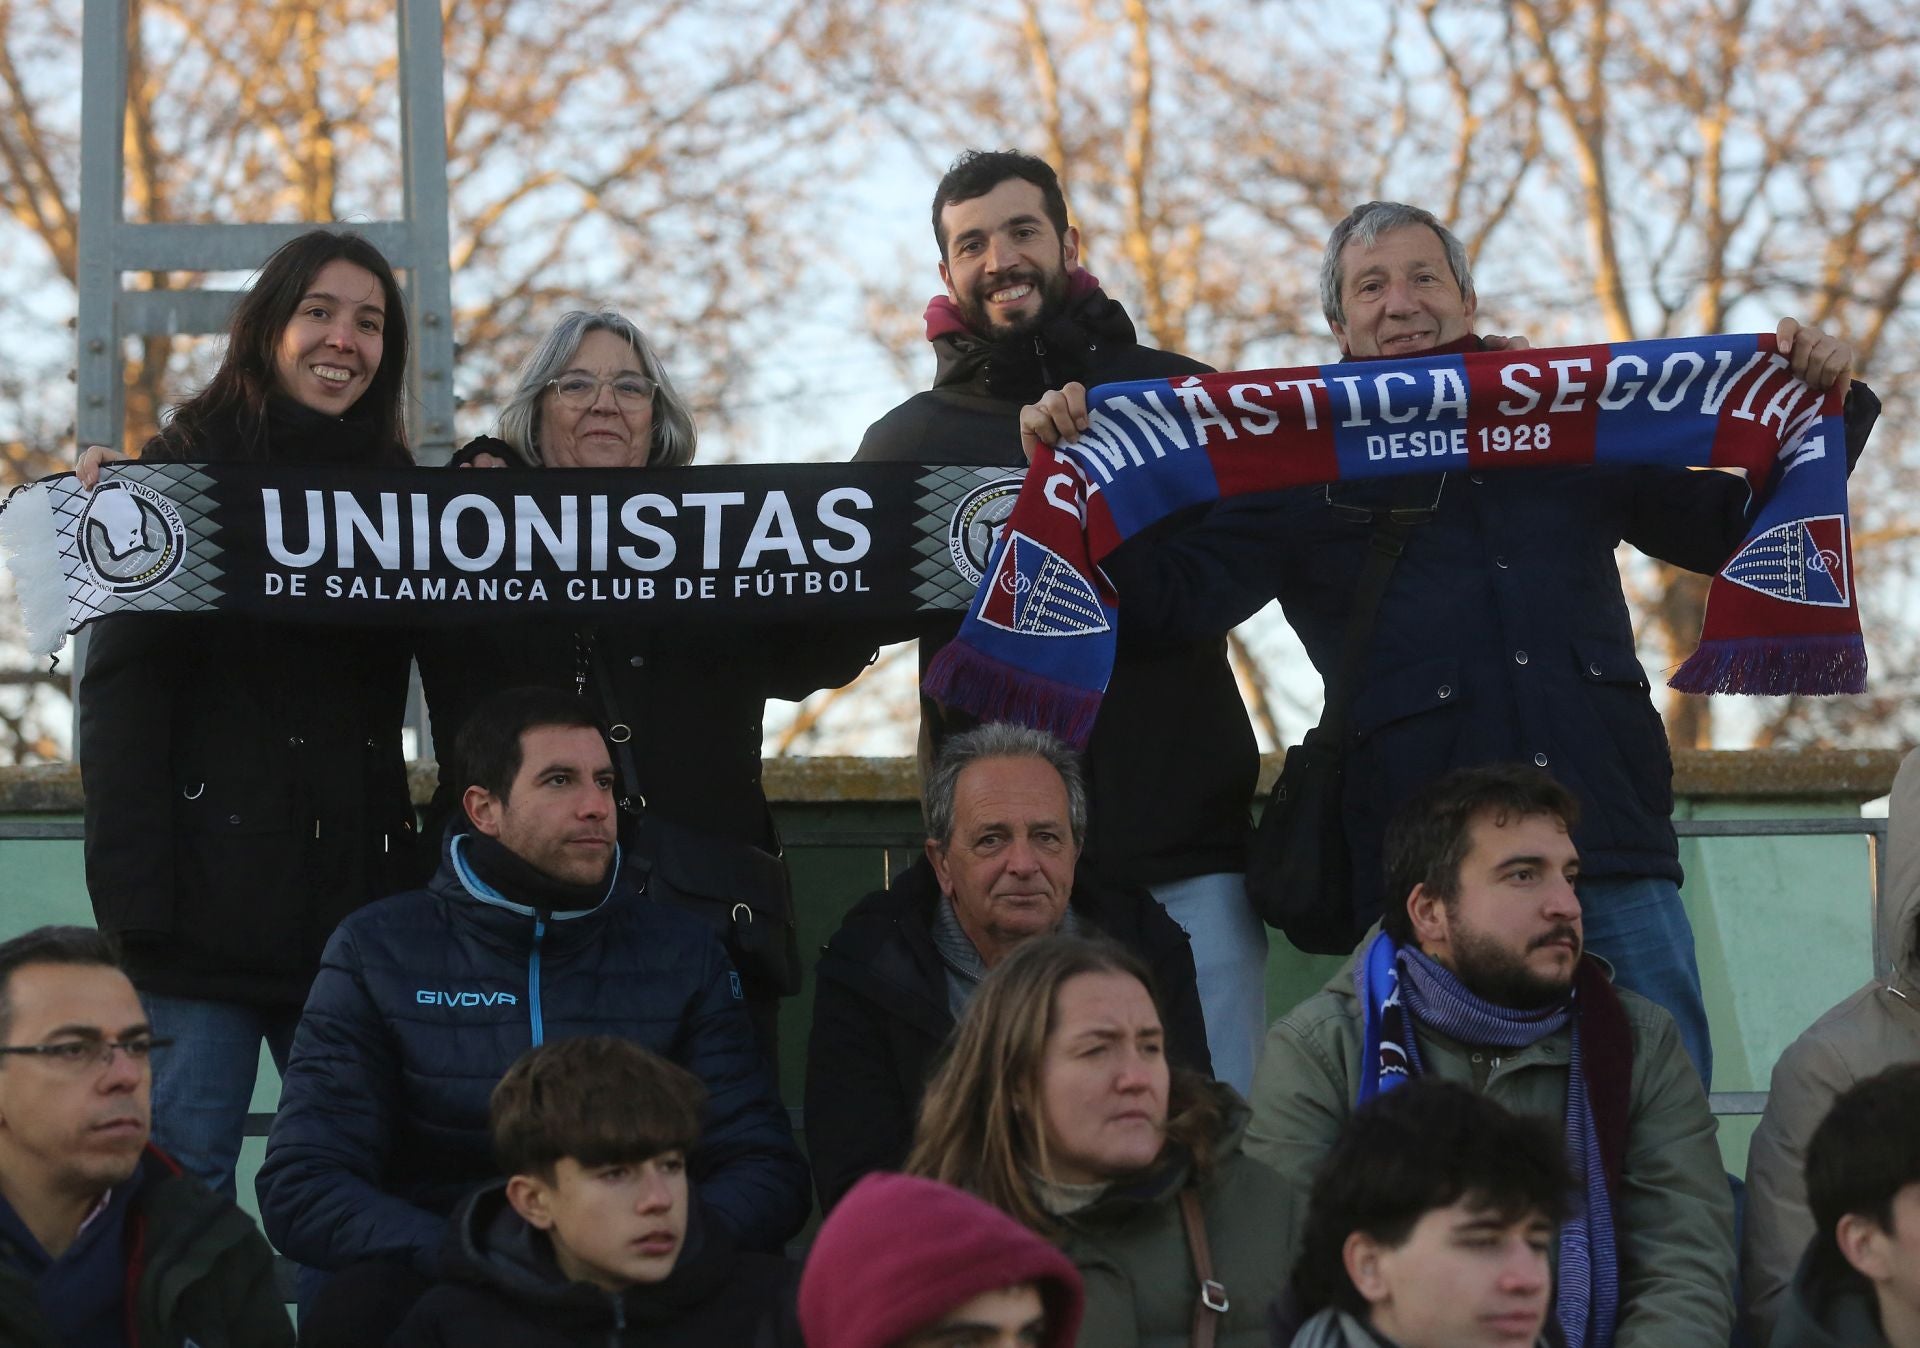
<point x="996" y="691"/>
<point x="1818" y="666"/>
<point x="30" y="543"/>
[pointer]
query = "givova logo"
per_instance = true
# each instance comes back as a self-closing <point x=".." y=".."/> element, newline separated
<point x="437" y="997"/>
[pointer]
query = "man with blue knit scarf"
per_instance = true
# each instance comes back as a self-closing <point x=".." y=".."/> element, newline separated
<point x="1477" y="974"/>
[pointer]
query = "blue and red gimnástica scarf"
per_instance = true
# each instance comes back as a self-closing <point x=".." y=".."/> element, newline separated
<point x="1037" y="644"/>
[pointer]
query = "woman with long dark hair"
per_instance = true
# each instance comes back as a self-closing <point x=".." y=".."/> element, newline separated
<point x="245" y="785"/>
<point x="1056" y="1104"/>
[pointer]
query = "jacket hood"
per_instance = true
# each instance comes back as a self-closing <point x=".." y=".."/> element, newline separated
<point x="944" y="318"/>
<point x="1900" y="905"/>
<point x="1021" y="369"/>
<point x="1821" y="1311"/>
<point x="489" y="1245"/>
<point x="1168" y="1176"/>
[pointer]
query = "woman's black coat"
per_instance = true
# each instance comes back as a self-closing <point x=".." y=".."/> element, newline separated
<point x="245" y="784"/>
<point x="691" y="699"/>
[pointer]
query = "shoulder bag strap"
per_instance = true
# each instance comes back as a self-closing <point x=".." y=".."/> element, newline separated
<point x="591" y="666"/>
<point x="1210" y="1305"/>
<point x="1387" y="539"/>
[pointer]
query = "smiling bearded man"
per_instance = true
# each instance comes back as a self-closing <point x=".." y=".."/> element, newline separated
<point x="1477" y="975"/>
<point x="1172" y="761"/>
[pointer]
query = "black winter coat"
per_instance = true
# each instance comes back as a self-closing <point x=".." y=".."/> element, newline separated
<point x="881" y="1018"/>
<point x="693" y="698"/>
<point x="1172" y="762"/>
<point x="245" y="783"/>
<point x="502" y="1289"/>
<point x="1503" y="635"/>
<point x="198" y="1271"/>
<point x="422" y="1002"/>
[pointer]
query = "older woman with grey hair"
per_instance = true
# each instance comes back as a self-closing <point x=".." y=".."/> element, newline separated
<point x="593" y="394"/>
<point x="683" y="707"/>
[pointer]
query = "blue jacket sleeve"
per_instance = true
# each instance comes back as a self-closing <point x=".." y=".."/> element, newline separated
<point x="747" y="1169"/>
<point x="319" y="1188"/>
<point x="1200" y="581"/>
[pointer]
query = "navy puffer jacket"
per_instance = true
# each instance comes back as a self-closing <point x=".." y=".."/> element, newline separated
<point x="422" y="1002"/>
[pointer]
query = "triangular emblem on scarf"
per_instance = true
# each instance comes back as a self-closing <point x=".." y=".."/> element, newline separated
<point x="1036" y="592"/>
<point x="1801" y="562"/>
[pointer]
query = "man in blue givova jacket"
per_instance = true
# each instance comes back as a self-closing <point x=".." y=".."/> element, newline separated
<point x="530" y="930"/>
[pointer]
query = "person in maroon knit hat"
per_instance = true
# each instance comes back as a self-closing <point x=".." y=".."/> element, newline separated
<point x="903" y="1262"/>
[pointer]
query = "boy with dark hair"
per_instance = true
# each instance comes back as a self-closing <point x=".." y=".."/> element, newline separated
<point x="1429" y="1226"/>
<point x="592" y="1239"/>
<point x="1859" y="1283"/>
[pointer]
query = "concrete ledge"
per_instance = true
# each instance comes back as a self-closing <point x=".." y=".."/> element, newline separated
<point x="1718" y="774"/>
<point x="1772" y="774"/>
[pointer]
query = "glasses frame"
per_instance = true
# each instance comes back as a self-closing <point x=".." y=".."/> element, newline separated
<point x="1359" y="514"/>
<point x="99" y="1052"/>
<point x="598" y="384"/>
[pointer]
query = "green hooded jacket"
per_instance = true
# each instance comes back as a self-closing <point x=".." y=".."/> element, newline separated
<point x="1822" y="1311"/>
<point x="1131" y="1248"/>
<point x="1674" y="1213"/>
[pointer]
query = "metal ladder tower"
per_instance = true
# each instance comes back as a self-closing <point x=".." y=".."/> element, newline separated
<point x="111" y="245"/>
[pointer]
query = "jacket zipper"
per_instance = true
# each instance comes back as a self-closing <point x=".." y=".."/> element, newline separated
<point x="1040" y="352"/>
<point x="533" y="982"/>
<point x="619" y="1335"/>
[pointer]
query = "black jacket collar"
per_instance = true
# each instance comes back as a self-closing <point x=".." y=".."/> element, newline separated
<point x="1020" y="369"/>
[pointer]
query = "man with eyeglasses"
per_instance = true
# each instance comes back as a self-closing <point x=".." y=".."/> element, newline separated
<point x="104" y="1241"/>
<point x="1503" y="632"/>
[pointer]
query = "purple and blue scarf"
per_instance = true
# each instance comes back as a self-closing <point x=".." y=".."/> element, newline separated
<point x="1399" y="988"/>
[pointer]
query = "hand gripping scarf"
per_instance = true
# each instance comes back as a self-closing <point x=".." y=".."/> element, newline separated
<point x="1038" y="642"/>
<point x="1399" y="987"/>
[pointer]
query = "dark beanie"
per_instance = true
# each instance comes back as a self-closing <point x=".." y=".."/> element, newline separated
<point x="899" y="1252"/>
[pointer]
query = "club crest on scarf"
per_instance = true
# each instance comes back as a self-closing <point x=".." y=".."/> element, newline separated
<point x="131" y="537"/>
<point x="1781" y="617"/>
<point x="1037" y="592"/>
<point x="977" y="523"/>
<point x="1803" y="562"/>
